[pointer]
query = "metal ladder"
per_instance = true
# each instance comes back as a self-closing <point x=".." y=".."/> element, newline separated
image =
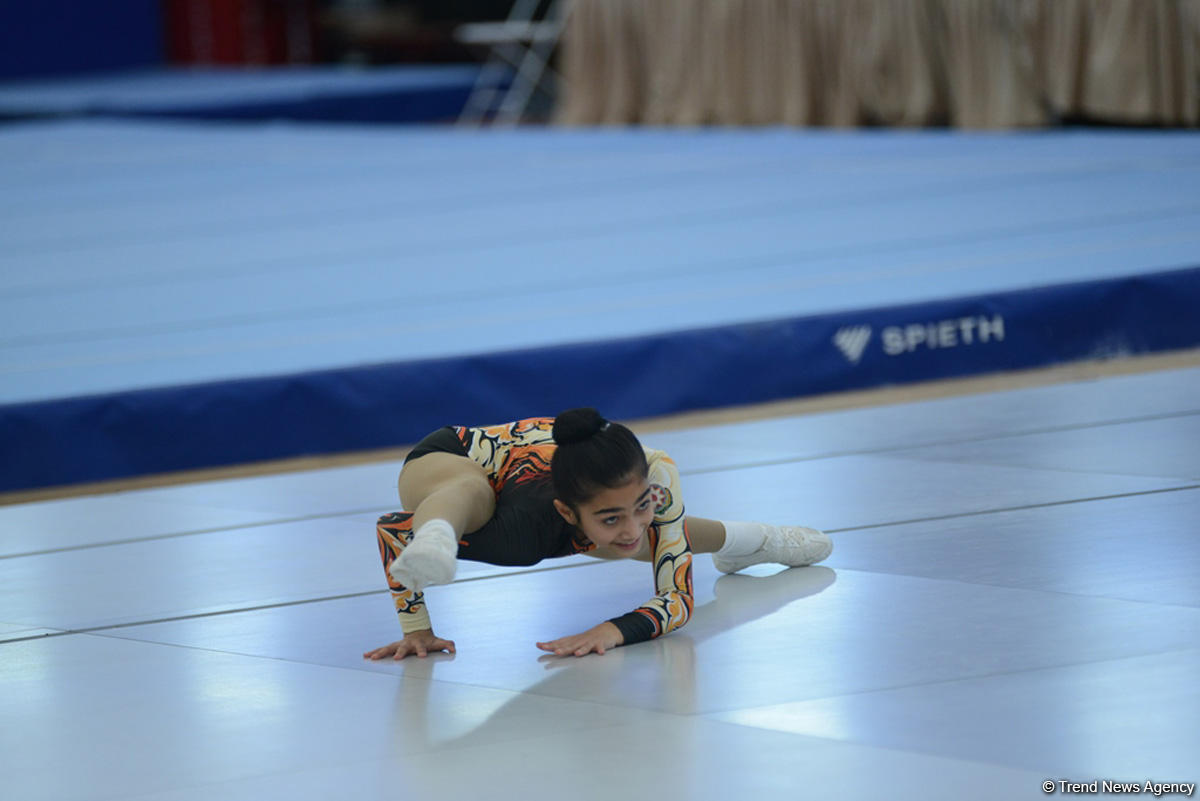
<point x="520" y="48"/>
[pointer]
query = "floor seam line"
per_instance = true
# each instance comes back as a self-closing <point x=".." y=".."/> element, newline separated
<point x="939" y="443"/>
<point x="1006" y="509"/>
<point x="963" y="679"/>
<point x="198" y="532"/>
<point x="57" y="632"/>
<point x="1040" y="590"/>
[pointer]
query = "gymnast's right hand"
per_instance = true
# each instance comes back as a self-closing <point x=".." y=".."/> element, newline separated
<point x="418" y="642"/>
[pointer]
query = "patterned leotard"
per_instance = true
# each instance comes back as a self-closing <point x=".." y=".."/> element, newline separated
<point x="526" y="528"/>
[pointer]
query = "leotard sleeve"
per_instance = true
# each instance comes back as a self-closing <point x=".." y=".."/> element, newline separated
<point x="671" y="607"/>
<point x="394" y="532"/>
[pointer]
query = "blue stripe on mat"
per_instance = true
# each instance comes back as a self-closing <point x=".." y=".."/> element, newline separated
<point x="415" y="93"/>
<point x="232" y="422"/>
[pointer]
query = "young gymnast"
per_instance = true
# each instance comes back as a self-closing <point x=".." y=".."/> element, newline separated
<point x="518" y="493"/>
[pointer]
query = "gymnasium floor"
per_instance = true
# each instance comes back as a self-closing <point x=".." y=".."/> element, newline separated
<point x="1013" y="598"/>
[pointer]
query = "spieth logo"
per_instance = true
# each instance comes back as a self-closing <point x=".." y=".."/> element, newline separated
<point x="899" y="340"/>
<point x="963" y="331"/>
<point x="852" y="341"/>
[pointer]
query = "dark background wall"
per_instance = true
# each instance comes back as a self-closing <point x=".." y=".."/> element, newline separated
<point x="462" y="9"/>
<point x="55" y="37"/>
<point x="64" y="37"/>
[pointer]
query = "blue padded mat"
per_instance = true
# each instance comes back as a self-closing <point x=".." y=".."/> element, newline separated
<point x="185" y="295"/>
<point x="415" y="93"/>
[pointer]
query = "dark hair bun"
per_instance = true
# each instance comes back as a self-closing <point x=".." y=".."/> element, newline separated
<point x="577" y="425"/>
<point x="592" y="454"/>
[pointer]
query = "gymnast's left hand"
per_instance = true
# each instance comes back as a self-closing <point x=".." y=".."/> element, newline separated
<point x="600" y="638"/>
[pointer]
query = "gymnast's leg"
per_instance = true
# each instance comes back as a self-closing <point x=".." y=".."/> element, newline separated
<point x="705" y="536"/>
<point x="449" y="496"/>
<point x="449" y="487"/>
<point x="736" y="545"/>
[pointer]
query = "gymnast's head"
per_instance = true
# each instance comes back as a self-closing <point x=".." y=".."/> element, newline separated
<point x="600" y="478"/>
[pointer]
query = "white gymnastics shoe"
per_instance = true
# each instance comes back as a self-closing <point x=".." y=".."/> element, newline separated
<point x="430" y="558"/>
<point x="794" y="546"/>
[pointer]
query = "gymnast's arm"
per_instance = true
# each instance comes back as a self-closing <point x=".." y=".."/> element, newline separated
<point x="671" y="607"/>
<point x="419" y="638"/>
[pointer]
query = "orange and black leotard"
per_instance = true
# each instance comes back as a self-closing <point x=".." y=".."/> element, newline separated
<point x="526" y="528"/>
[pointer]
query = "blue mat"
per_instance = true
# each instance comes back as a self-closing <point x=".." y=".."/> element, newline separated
<point x="330" y="94"/>
<point x="182" y="296"/>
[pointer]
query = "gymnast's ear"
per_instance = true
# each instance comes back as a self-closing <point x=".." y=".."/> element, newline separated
<point x="567" y="512"/>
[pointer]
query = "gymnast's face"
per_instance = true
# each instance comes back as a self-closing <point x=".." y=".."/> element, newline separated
<point x="615" y="518"/>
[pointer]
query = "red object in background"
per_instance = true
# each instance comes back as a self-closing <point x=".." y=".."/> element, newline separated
<point x="241" y="31"/>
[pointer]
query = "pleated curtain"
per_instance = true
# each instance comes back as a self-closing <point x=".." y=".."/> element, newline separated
<point x="966" y="63"/>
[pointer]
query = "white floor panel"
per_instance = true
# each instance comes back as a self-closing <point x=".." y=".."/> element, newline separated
<point x="189" y="575"/>
<point x="1164" y="447"/>
<point x="854" y="491"/>
<point x="74" y="522"/>
<point x="1142" y="548"/>
<point x="1131" y="719"/>
<point x="930" y="422"/>
<point x="310" y="492"/>
<point x="665" y="757"/>
<point x="836" y="634"/>
<point x="213" y="572"/>
<point x="199" y="507"/>
<point x="89" y="717"/>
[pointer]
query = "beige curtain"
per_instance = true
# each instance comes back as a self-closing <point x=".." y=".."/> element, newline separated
<point x="968" y="63"/>
<point x="1122" y="60"/>
<point x="992" y="63"/>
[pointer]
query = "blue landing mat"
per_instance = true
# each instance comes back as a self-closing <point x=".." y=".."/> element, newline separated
<point x="182" y="296"/>
<point x="329" y="94"/>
